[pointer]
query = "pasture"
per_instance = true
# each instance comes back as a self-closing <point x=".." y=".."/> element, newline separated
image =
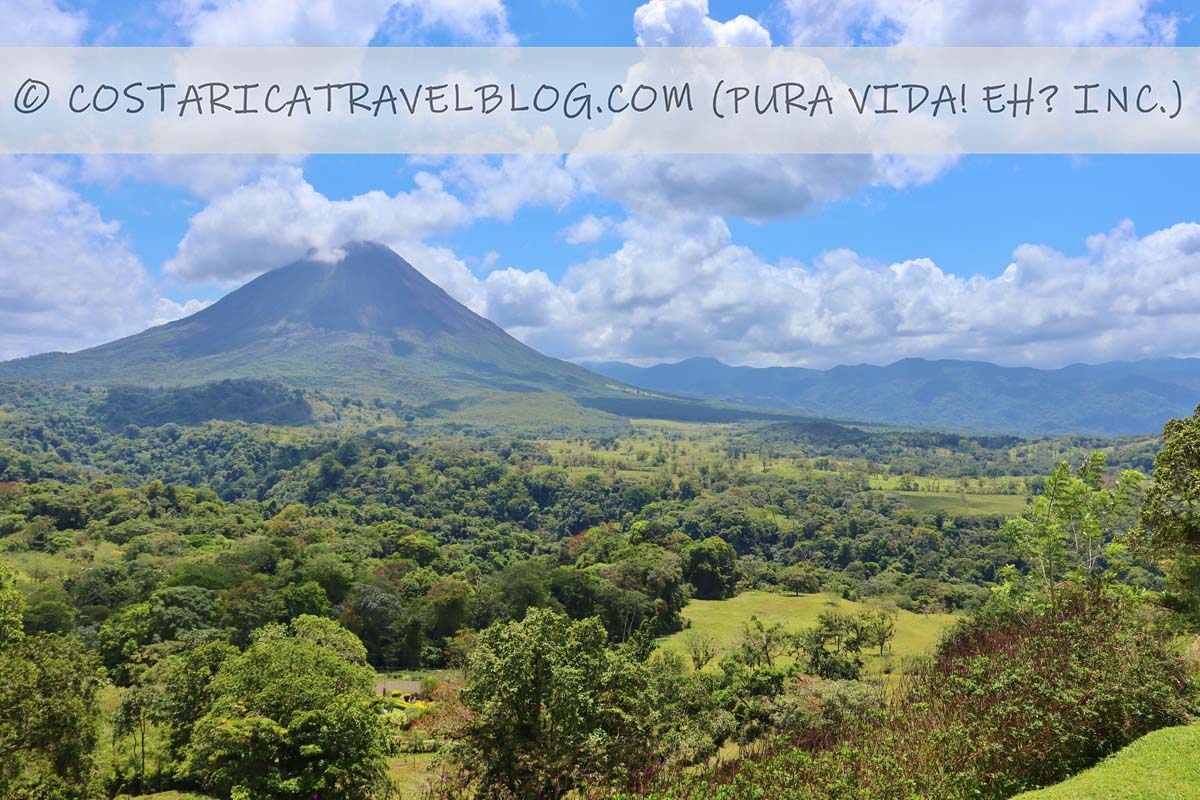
<point x="916" y="634"/>
<point x="964" y="503"/>
<point x="1164" y="765"/>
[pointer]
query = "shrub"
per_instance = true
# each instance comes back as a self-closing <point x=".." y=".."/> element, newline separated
<point x="1016" y="698"/>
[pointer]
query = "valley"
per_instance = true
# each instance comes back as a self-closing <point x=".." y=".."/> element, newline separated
<point x="217" y="535"/>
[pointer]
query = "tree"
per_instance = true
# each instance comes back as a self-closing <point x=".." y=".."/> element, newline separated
<point x="1170" y="513"/>
<point x="48" y="717"/>
<point x="712" y="569"/>
<point x="12" y="607"/>
<point x="1169" y="522"/>
<point x="177" y="609"/>
<point x="700" y="647"/>
<point x="876" y="628"/>
<point x="183" y="685"/>
<point x="447" y="601"/>
<point x="760" y="644"/>
<point x="832" y="646"/>
<point x="551" y="706"/>
<point x="800" y="579"/>
<point x="1066" y="530"/>
<point x="293" y="716"/>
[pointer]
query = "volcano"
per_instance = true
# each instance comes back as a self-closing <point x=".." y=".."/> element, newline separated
<point x="368" y="324"/>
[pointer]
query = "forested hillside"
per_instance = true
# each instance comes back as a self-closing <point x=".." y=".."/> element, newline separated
<point x="186" y="566"/>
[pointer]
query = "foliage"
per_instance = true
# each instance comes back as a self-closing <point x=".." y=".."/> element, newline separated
<point x="244" y="399"/>
<point x="170" y="550"/>
<point x="1171" y="511"/>
<point x="1016" y="698"/>
<point x="292" y="716"/>
<point x="11" y="607"/>
<point x="1066" y="531"/>
<point x="48" y="718"/>
<point x="1170" y="515"/>
<point x="551" y="705"/>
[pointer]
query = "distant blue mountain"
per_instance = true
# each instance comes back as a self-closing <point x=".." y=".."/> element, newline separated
<point x="1111" y="398"/>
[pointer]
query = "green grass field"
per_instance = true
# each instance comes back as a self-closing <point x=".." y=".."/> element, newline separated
<point x="915" y="633"/>
<point x="929" y="502"/>
<point x="412" y="773"/>
<point x="1165" y="765"/>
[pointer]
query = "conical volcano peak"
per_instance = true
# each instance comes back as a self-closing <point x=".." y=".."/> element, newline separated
<point x="370" y="290"/>
<point x="366" y="321"/>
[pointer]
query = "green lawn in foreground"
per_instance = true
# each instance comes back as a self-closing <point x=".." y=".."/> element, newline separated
<point x="1164" y="765"/>
<point x="412" y="773"/>
<point x="723" y="619"/>
<point x="930" y="502"/>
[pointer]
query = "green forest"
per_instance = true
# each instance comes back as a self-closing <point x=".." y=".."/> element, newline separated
<point x="235" y="592"/>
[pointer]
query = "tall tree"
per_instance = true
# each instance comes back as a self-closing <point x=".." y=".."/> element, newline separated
<point x="293" y="716"/>
<point x="1169" y="523"/>
<point x="48" y="717"/>
<point x="1067" y="529"/>
<point x="551" y="704"/>
<point x="12" y="607"/>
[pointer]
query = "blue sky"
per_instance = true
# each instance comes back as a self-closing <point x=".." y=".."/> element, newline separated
<point x="1042" y="260"/>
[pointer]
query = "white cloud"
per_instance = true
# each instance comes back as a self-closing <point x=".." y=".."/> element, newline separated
<point x="673" y="291"/>
<point x="281" y="218"/>
<point x="751" y="187"/>
<point x="40" y="22"/>
<point x="687" y="23"/>
<point x="473" y="21"/>
<point x="588" y="230"/>
<point x="339" y="22"/>
<point x="978" y="22"/>
<point x="167" y="310"/>
<point x="67" y="277"/>
<point x="204" y="176"/>
<point x="498" y="188"/>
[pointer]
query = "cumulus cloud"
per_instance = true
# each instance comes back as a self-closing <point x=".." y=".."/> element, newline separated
<point x="498" y="188"/>
<point x="167" y="310"/>
<point x="978" y="22"/>
<point x="345" y="22"/>
<point x="751" y="187"/>
<point x="588" y="230"/>
<point x="67" y="277"/>
<point x="40" y="22"/>
<point x="679" y="291"/>
<point x="475" y="21"/>
<point x="204" y="176"/>
<point x="687" y="23"/>
<point x="281" y="218"/>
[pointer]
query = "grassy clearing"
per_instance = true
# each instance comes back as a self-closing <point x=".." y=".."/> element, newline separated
<point x="1164" y="765"/>
<point x="722" y="619"/>
<point x="931" y="503"/>
<point x="412" y="773"/>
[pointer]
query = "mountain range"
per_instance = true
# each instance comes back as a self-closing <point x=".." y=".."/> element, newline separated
<point x="371" y="327"/>
<point x="1111" y="398"/>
